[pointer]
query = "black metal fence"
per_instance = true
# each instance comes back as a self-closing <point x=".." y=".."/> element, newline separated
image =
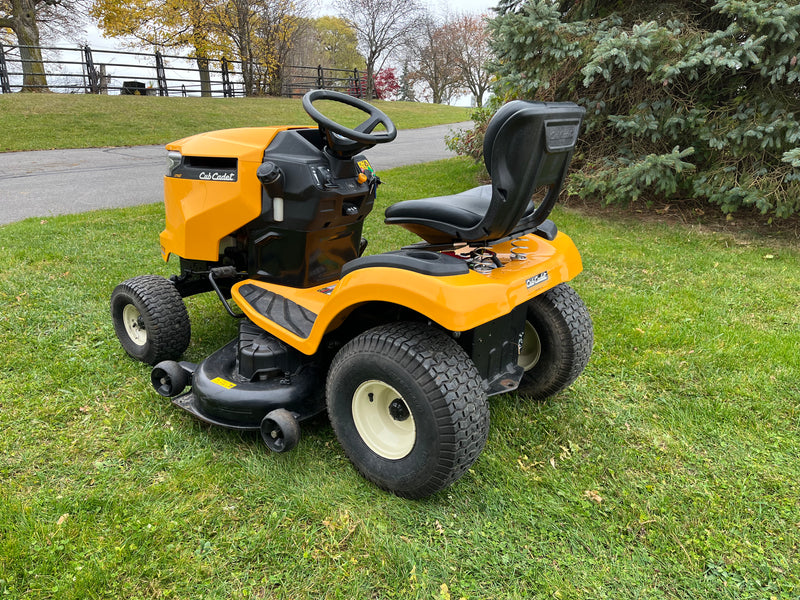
<point x="85" y="70"/>
<point x="298" y="80"/>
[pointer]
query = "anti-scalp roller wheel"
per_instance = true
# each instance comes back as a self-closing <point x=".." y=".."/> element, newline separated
<point x="280" y="430"/>
<point x="169" y="378"/>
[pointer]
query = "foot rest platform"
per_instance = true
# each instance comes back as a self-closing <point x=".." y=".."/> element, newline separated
<point x="278" y="309"/>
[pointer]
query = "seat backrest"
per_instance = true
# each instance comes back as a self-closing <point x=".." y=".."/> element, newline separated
<point x="527" y="145"/>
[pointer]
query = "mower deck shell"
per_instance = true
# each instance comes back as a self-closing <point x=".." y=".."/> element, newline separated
<point x="220" y="396"/>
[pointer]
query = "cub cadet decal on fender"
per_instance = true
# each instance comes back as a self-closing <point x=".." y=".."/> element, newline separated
<point x="536" y="280"/>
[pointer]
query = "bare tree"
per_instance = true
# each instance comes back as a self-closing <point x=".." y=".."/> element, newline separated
<point x="436" y="60"/>
<point x="382" y="28"/>
<point x="471" y="43"/>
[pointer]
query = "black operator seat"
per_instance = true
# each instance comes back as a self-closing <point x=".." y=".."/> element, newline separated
<point x="528" y="145"/>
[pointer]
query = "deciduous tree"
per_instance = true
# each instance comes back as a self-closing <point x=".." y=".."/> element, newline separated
<point x="436" y="57"/>
<point x="261" y="33"/>
<point x="338" y="43"/>
<point x="164" y="24"/>
<point x="22" y="18"/>
<point x="470" y="37"/>
<point x="327" y="41"/>
<point x="386" y="84"/>
<point x="257" y="33"/>
<point x="382" y="27"/>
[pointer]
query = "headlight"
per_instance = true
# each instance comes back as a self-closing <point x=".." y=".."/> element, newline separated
<point x="173" y="162"/>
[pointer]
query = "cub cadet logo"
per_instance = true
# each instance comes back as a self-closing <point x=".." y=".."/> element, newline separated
<point x="536" y="280"/>
<point x="217" y="176"/>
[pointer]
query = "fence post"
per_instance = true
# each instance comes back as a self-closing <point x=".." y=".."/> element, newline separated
<point x="161" y="77"/>
<point x="320" y="78"/>
<point x="92" y="77"/>
<point x="104" y="79"/>
<point x="5" y="86"/>
<point x="227" y="91"/>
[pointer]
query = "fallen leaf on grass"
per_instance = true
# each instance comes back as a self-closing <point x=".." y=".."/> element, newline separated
<point x="593" y="495"/>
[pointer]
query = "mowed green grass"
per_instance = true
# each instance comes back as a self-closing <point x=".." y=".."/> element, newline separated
<point x="668" y="470"/>
<point x="45" y="121"/>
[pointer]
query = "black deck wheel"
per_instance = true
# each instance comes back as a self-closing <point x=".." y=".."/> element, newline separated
<point x="408" y="407"/>
<point x="150" y="319"/>
<point x="557" y="342"/>
<point x="280" y="430"/>
<point x="169" y="378"/>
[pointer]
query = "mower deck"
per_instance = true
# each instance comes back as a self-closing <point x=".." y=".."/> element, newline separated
<point x="248" y="378"/>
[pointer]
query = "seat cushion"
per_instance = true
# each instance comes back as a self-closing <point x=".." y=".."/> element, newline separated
<point x="440" y="218"/>
<point x="463" y="211"/>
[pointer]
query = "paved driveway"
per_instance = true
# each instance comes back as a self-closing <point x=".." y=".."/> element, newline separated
<point x="56" y="182"/>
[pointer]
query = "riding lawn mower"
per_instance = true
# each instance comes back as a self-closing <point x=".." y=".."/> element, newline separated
<point x="402" y="348"/>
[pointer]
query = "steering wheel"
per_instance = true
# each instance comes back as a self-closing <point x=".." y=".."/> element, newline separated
<point x="344" y="141"/>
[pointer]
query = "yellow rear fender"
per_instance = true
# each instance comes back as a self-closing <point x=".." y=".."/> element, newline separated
<point x="301" y="317"/>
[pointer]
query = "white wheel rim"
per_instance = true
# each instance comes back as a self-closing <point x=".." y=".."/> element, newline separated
<point x="134" y="327"/>
<point x="383" y="420"/>
<point x="531" y="348"/>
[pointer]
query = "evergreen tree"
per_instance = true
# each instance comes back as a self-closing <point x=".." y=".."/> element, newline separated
<point x="691" y="98"/>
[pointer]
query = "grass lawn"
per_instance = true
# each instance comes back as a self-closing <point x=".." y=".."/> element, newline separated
<point x="668" y="470"/>
<point x="45" y="121"/>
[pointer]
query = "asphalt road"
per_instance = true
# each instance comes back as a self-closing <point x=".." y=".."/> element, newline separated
<point x="56" y="182"/>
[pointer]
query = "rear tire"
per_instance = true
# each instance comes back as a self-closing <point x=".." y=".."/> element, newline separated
<point x="150" y="319"/>
<point x="408" y="407"/>
<point x="557" y="342"/>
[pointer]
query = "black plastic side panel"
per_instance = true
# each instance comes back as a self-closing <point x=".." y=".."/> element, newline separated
<point x="494" y="348"/>
<point x="302" y="258"/>
<point x="312" y="216"/>
<point x="264" y="356"/>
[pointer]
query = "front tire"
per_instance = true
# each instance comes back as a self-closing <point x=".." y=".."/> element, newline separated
<point x="408" y="407"/>
<point x="150" y="319"/>
<point x="557" y="342"/>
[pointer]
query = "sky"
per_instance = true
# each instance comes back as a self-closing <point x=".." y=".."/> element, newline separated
<point x="468" y="6"/>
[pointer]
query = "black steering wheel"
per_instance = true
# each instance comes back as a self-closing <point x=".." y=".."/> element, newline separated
<point x="344" y="141"/>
